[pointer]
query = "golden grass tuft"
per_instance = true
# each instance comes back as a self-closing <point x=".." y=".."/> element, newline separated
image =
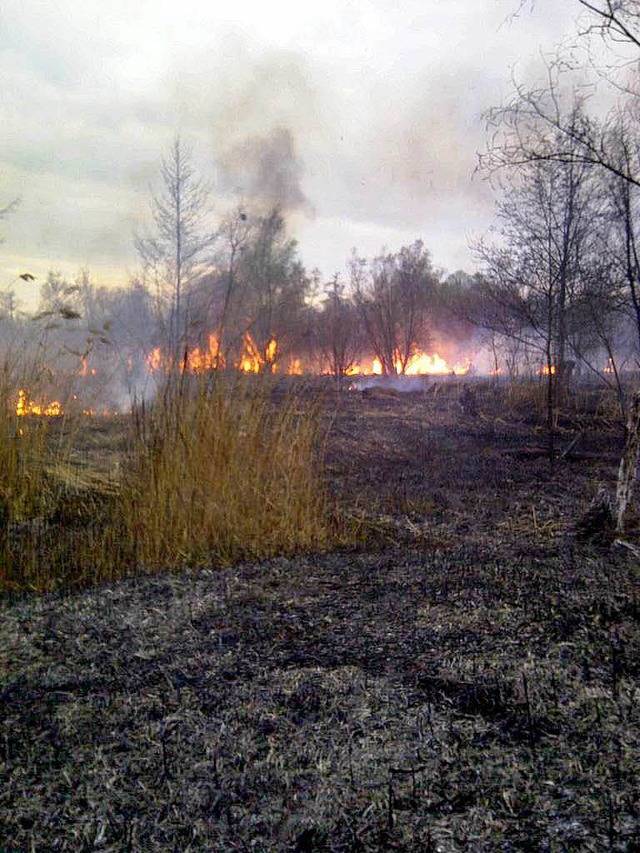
<point x="24" y="486"/>
<point x="220" y="471"/>
<point x="215" y="470"/>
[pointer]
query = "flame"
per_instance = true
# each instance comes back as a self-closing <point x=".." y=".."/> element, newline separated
<point x="420" y="364"/>
<point x="545" y="371"/>
<point x="252" y="360"/>
<point x="198" y="360"/>
<point x="85" y="370"/>
<point x="25" y="406"/>
<point x="105" y="413"/>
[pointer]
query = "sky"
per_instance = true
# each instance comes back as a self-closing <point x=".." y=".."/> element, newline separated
<point x="365" y="115"/>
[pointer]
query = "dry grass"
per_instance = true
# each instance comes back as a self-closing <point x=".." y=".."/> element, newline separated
<point x="220" y="472"/>
<point x="211" y="472"/>
<point x="24" y="489"/>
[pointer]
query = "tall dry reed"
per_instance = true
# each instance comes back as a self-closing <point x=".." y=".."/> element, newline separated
<point x="24" y="487"/>
<point x="221" y="471"/>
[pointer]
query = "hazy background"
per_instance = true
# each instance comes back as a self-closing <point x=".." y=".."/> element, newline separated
<point x="362" y="118"/>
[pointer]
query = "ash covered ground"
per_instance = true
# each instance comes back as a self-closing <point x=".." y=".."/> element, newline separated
<point x="463" y="677"/>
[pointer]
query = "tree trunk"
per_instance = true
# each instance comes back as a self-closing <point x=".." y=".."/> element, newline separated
<point x="628" y="463"/>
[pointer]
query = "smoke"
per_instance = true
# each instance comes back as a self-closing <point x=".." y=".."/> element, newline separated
<point x="267" y="169"/>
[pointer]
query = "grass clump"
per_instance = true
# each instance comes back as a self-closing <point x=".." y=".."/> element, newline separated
<point x="24" y="486"/>
<point x="216" y="469"/>
<point x="222" y="471"/>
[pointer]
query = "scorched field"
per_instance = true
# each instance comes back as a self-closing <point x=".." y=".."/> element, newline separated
<point x="458" y="673"/>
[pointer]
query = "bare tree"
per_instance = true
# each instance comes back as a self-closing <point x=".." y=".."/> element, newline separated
<point x="339" y="331"/>
<point x="393" y="294"/>
<point x="173" y="253"/>
<point x="254" y="295"/>
<point x="273" y="289"/>
<point x="535" y="277"/>
<point x="622" y="194"/>
<point x="217" y="296"/>
<point x="535" y="125"/>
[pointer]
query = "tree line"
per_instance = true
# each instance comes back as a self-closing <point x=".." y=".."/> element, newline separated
<point x="557" y="289"/>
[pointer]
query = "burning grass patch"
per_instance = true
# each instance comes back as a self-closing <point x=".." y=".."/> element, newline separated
<point x="24" y="489"/>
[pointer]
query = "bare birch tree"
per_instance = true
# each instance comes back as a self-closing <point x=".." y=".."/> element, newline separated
<point x="173" y="253"/>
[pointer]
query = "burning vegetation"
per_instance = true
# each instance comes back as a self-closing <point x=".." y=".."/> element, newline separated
<point x="25" y="407"/>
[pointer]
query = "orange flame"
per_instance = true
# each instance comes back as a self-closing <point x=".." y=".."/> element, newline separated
<point x="198" y="360"/>
<point x="420" y="364"/>
<point x="85" y="370"/>
<point x="252" y="360"/>
<point x="25" y="406"/>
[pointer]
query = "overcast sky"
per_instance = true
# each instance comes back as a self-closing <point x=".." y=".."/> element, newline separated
<point x="368" y="113"/>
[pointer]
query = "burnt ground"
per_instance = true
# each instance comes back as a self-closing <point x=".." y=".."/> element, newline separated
<point x="463" y="678"/>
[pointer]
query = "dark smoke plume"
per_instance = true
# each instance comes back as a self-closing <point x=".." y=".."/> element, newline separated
<point x="266" y="169"/>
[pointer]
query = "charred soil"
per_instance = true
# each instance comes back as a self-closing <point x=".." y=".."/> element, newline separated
<point x="463" y="678"/>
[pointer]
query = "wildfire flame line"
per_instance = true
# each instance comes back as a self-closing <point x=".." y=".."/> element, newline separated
<point x="253" y="360"/>
<point x="25" y="406"/>
<point x="198" y="360"/>
<point x="420" y="364"/>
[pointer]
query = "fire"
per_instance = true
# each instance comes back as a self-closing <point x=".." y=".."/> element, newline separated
<point x="420" y="364"/>
<point x="252" y="360"/>
<point x="104" y="413"/>
<point x="546" y="371"/>
<point x="85" y="370"/>
<point x="198" y="360"/>
<point x="25" y="406"/>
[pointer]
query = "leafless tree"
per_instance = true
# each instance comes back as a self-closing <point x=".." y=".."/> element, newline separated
<point x="535" y="124"/>
<point x="393" y="294"/>
<point x="339" y="335"/>
<point x="172" y="255"/>
<point x="255" y="290"/>
<point x="535" y="277"/>
<point x="217" y="296"/>
<point x="275" y="287"/>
